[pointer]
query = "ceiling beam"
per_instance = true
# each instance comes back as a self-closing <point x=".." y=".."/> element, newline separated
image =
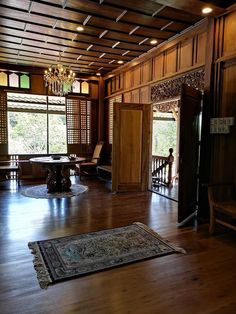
<point x="191" y="6"/>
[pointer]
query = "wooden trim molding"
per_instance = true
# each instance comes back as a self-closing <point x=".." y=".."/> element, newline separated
<point x="172" y="88"/>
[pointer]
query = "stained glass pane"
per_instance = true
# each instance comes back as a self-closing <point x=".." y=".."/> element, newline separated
<point x="85" y="87"/>
<point x="76" y="87"/>
<point x="67" y="88"/>
<point x="14" y="80"/>
<point x="24" y="81"/>
<point x="3" y="79"/>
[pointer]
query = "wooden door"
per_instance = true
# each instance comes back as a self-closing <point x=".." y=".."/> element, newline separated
<point x="190" y="108"/>
<point x="131" y="147"/>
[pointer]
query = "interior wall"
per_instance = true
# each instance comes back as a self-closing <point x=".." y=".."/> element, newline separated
<point x="223" y="103"/>
<point x="183" y="54"/>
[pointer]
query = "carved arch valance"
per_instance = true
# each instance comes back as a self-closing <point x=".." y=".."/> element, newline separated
<point x="168" y="106"/>
<point x="172" y="88"/>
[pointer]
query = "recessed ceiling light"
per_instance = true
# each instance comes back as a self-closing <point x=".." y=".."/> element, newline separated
<point x="80" y="28"/>
<point x="98" y="74"/>
<point x="153" y="41"/>
<point x="206" y="10"/>
<point x="120" y="61"/>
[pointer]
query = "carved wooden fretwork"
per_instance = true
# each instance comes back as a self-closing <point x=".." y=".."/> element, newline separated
<point x="172" y="88"/>
<point x="167" y="106"/>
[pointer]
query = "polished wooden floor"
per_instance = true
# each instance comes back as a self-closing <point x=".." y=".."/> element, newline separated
<point x="202" y="281"/>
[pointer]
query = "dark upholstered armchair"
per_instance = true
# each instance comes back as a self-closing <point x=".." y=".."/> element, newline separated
<point x="89" y="167"/>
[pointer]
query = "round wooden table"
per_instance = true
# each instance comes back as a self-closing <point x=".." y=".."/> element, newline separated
<point x="58" y="179"/>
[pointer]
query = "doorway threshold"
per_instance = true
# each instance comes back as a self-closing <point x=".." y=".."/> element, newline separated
<point x="168" y="192"/>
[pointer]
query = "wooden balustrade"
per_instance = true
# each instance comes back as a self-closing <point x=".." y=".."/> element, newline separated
<point x="162" y="169"/>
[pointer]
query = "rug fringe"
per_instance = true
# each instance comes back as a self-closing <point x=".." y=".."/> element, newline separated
<point x="39" y="265"/>
<point x="155" y="234"/>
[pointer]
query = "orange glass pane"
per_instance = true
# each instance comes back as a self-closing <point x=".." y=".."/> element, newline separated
<point x="3" y="79"/>
<point x="85" y="88"/>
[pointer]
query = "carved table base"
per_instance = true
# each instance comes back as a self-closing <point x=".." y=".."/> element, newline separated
<point x="58" y="179"/>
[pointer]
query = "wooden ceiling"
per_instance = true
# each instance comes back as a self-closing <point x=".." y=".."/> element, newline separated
<point x="36" y="33"/>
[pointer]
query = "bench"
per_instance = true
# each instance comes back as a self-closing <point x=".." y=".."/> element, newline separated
<point x="104" y="172"/>
<point x="9" y="171"/>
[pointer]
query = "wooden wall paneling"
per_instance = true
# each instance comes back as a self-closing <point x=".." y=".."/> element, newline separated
<point x="94" y="90"/>
<point x="108" y="87"/>
<point x="121" y="80"/>
<point x="158" y="66"/>
<point x="144" y="94"/>
<point x="135" y="96"/>
<point x="201" y="41"/>
<point x="127" y="97"/>
<point x="136" y="75"/>
<point x="228" y="109"/>
<point x="229" y="43"/>
<point x="113" y="85"/>
<point x="38" y="84"/>
<point x="128" y="79"/>
<point x="146" y="71"/>
<point x="117" y="82"/>
<point x="186" y="54"/>
<point x="170" y="60"/>
<point x="219" y="35"/>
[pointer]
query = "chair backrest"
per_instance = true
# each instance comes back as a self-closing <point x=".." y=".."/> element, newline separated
<point x="97" y="152"/>
<point x="220" y="193"/>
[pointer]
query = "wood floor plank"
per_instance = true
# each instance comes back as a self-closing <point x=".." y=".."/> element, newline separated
<point x="201" y="281"/>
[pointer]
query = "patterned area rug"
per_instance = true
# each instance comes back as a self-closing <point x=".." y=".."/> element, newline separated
<point x="40" y="191"/>
<point x="72" y="256"/>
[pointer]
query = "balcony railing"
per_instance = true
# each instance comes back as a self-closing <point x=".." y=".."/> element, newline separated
<point x="162" y="169"/>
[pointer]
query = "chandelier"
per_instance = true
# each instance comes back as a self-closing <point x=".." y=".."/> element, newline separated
<point x="59" y="79"/>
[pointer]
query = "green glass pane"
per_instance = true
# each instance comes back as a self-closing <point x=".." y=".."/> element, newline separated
<point x="66" y="88"/>
<point x="24" y="81"/>
<point x="3" y="79"/>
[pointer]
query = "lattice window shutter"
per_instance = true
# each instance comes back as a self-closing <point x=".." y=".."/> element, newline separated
<point x="110" y="116"/>
<point x="3" y="123"/>
<point x="80" y="122"/>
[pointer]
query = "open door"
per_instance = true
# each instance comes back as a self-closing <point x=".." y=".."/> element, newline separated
<point x="189" y="152"/>
<point x="131" y="147"/>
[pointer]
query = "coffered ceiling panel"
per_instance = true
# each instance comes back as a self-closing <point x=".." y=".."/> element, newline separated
<point x="40" y="33"/>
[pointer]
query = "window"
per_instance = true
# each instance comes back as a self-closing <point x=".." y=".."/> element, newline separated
<point x="80" y="87"/>
<point x="78" y="121"/>
<point x="3" y="79"/>
<point x="24" y="81"/>
<point x="14" y="79"/>
<point x="36" y="124"/>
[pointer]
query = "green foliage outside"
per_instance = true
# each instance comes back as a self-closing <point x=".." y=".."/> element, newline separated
<point x="164" y="137"/>
<point x="27" y="133"/>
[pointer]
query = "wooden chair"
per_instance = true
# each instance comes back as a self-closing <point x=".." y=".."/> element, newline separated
<point x="89" y="167"/>
<point x="222" y="203"/>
